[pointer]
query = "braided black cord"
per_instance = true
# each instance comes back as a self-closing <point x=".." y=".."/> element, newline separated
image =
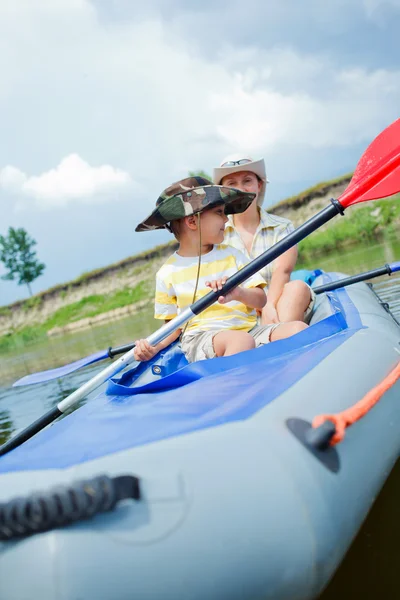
<point x="62" y="505"/>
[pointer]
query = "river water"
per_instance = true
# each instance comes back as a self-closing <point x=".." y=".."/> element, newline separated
<point x="370" y="567"/>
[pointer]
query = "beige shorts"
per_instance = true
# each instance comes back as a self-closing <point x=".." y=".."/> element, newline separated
<point x="310" y="308"/>
<point x="199" y="345"/>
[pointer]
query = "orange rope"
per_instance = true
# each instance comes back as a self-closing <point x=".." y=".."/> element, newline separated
<point x="357" y="411"/>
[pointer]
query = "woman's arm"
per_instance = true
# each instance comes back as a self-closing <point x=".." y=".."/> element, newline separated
<point x="252" y="297"/>
<point x="281" y="275"/>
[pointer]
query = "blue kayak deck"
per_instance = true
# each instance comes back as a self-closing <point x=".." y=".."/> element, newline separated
<point x="194" y="397"/>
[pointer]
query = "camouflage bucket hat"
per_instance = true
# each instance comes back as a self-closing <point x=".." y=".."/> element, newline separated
<point x="193" y="195"/>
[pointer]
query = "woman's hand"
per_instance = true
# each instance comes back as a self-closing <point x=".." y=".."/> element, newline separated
<point x="269" y="314"/>
<point x="143" y="350"/>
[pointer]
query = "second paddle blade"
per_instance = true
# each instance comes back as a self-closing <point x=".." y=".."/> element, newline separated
<point x="43" y="376"/>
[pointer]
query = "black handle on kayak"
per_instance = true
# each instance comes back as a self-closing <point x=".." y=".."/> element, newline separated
<point x="63" y="505"/>
<point x="119" y="350"/>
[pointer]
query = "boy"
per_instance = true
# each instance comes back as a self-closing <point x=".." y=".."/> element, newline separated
<point x="195" y="211"/>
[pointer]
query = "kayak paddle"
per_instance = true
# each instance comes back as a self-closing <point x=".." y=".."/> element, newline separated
<point x="377" y="175"/>
<point x="334" y="285"/>
<point x="49" y="374"/>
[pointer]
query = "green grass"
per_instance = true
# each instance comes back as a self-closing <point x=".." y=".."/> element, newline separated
<point x="90" y="306"/>
<point x="33" y="302"/>
<point x="5" y="311"/>
<point x="361" y="224"/>
<point x="84" y="308"/>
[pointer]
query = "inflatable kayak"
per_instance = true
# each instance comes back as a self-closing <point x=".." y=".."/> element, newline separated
<point x="199" y="480"/>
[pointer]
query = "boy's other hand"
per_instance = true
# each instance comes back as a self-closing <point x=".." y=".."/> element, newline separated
<point x="216" y="286"/>
<point x="143" y="350"/>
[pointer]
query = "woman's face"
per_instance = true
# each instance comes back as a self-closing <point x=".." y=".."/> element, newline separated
<point x="246" y="181"/>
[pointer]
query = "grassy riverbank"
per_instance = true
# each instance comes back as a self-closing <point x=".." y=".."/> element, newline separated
<point x="370" y="222"/>
<point x="85" y="308"/>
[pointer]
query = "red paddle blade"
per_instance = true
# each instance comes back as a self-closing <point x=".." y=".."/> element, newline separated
<point x="378" y="171"/>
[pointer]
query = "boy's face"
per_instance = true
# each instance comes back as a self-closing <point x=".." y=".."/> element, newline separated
<point x="212" y="223"/>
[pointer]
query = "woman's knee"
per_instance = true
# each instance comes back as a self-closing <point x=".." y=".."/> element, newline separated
<point x="298" y="288"/>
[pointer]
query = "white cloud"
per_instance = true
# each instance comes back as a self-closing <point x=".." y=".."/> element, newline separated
<point x="11" y="179"/>
<point x="72" y="180"/>
<point x="263" y="119"/>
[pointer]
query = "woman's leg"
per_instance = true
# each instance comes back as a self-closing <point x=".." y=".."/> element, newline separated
<point x="293" y="302"/>
<point x="231" y="342"/>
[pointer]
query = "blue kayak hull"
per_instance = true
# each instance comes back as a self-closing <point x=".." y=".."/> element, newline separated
<point x="233" y="504"/>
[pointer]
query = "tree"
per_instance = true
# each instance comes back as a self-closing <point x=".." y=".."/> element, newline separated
<point x="18" y="257"/>
<point x="200" y="173"/>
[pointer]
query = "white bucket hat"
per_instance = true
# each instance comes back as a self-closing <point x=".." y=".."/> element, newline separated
<point x="235" y="163"/>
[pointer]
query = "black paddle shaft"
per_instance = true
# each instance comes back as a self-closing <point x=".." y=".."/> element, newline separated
<point x="31" y="430"/>
<point x="334" y="285"/>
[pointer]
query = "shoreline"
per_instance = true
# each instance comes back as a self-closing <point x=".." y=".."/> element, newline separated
<point x="112" y="315"/>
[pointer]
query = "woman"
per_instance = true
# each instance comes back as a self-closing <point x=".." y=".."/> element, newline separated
<point x="254" y="231"/>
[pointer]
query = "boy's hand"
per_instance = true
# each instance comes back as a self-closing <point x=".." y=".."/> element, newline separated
<point x="143" y="350"/>
<point x="217" y="284"/>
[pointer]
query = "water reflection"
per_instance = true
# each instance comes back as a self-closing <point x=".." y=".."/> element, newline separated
<point x="55" y="351"/>
<point x="33" y="401"/>
<point x="6" y="426"/>
<point x="356" y="259"/>
<point x="370" y="569"/>
<point x="60" y="392"/>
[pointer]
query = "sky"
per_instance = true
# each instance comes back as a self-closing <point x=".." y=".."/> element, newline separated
<point x="104" y="103"/>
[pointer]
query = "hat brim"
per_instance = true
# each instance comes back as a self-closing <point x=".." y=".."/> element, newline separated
<point x="256" y="166"/>
<point x="235" y="201"/>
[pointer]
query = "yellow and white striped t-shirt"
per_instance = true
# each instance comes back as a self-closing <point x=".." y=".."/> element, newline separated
<point x="175" y="284"/>
<point x="270" y="230"/>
